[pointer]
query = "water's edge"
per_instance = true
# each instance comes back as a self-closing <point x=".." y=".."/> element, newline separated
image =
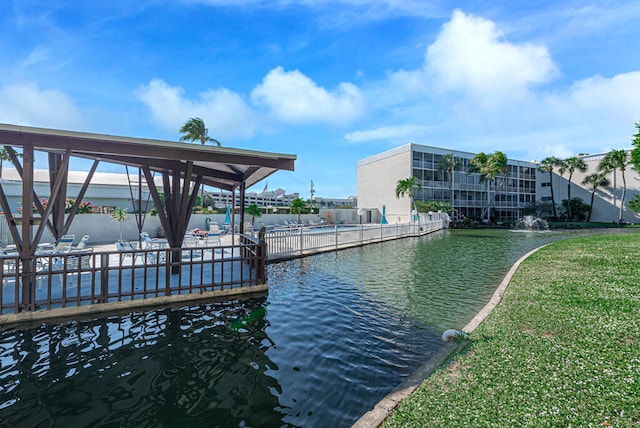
<point x="375" y="417"/>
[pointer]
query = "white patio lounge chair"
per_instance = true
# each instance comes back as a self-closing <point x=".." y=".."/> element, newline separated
<point x="189" y="241"/>
<point x="65" y="243"/>
<point x="82" y="244"/>
<point x="214" y="239"/>
<point x="78" y="260"/>
<point x="127" y="249"/>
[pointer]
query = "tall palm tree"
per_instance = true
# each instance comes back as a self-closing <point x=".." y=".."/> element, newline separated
<point x="616" y="159"/>
<point x="499" y="163"/>
<point x="406" y="187"/>
<point x="571" y="165"/>
<point x="547" y="165"/>
<point x="450" y="163"/>
<point x="195" y="130"/>
<point x="478" y="165"/>
<point x="595" y="180"/>
<point x="489" y="167"/>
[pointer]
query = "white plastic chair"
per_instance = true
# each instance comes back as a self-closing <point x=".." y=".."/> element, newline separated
<point x="65" y="243"/>
<point x="214" y="239"/>
<point x="189" y="241"/>
<point x="79" y="259"/>
<point x="82" y="244"/>
<point x="127" y="249"/>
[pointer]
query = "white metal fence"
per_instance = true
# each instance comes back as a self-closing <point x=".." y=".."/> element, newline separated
<point x="284" y="243"/>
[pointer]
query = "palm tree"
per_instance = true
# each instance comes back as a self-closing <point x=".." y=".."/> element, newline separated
<point x="120" y="215"/>
<point x="297" y="205"/>
<point x="406" y="187"/>
<point x="572" y="164"/>
<point x="594" y="180"/>
<point x="195" y="130"/>
<point x="616" y="159"/>
<point x="450" y="163"/>
<point x="489" y="167"/>
<point x="499" y="165"/>
<point x="254" y="211"/>
<point x="547" y="165"/>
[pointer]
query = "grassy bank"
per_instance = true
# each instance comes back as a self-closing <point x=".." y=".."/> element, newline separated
<point x="562" y="349"/>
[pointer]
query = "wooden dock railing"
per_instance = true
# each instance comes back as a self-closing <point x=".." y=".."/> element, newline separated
<point x="87" y="278"/>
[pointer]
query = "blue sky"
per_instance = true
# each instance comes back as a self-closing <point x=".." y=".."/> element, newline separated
<point x="332" y="81"/>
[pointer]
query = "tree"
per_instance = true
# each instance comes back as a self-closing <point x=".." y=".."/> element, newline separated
<point x="195" y="130"/>
<point x="450" y="163"/>
<point x="406" y="187"/>
<point x="616" y="159"/>
<point x="120" y="215"/>
<point x="433" y="206"/>
<point x="4" y="156"/>
<point x="297" y="205"/>
<point x="254" y="211"/>
<point x="499" y="163"/>
<point x="579" y="209"/>
<point x="635" y="153"/>
<point x="570" y="165"/>
<point x="489" y="167"/>
<point x="634" y="203"/>
<point x="595" y="180"/>
<point x="547" y="165"/>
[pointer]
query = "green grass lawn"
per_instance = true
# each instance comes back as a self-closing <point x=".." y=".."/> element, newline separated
<point x="562" y="348"/>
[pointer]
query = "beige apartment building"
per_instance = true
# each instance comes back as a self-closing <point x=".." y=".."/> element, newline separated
<point x="606" y="205"/>
<point x="508" y="198"/>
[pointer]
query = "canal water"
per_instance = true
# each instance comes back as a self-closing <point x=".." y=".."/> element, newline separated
<point x="336" y="333"/>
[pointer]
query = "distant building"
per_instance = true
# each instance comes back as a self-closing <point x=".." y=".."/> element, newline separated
<point x="268" y="199"/>
<point x="349" y="202"/>
<point x="106" y="191"/>
<point x="280" y="199"/>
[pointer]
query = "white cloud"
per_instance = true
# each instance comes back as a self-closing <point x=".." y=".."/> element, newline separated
<point x="612" y="97"/>
<point x="471" y="57"/>
<point x="403" y="132"/>
<point x="26" y="104"/>
<point x="292" y="97"/>
<point x="557" y="150"/>
<point x="479" y="92"/>
<point x="226" y="114"/>
<point x="598" y="113"/>
<point x="289" y="97"/>
<point x="36" y="56"/>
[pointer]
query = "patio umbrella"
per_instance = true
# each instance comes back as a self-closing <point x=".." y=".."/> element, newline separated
<point x="227" y="218"/>
<point x="384" y="216"/>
